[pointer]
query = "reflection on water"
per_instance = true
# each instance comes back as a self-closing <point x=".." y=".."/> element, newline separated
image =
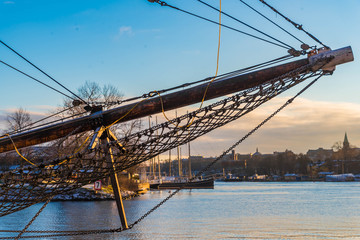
<point x="230" y="211"/>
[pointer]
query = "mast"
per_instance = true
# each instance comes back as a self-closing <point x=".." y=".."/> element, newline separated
<point x="178" y="154"/>
<point x="152" y="172"/>
<point x="180" y="162"/>
<point x="158" y="157"/>
<point x="189" y="162"/>
<point x="170" y="163"/>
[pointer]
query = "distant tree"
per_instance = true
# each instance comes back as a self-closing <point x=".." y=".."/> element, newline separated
<point x="18" y="120"/>
<point x="337" y="146"/>
<point x="92" y="92"/>
<point x="302" y="163"/>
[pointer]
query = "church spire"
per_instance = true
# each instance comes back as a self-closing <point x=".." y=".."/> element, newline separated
<point x="346" y="144"/>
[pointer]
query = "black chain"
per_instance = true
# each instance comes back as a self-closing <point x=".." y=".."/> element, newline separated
<point x="33" y="219"/>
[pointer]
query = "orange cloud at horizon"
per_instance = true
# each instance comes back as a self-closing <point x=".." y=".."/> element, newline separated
<point x="304" y="124"/>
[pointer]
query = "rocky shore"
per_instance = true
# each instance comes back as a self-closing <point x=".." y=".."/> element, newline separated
<point x="87" y="193"/>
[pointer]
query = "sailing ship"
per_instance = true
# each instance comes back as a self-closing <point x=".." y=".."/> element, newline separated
<point x="102" y="155"/>
<point x="180" y="181"/>
<point x="184" y="183"/>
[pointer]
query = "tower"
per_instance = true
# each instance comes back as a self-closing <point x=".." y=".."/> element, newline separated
<point x="346" y="148"/>
<point x="346" y="144"/>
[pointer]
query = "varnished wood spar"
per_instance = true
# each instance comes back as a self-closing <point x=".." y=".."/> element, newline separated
<point x="148" y="107"/>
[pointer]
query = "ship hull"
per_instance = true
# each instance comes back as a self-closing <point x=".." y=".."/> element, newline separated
<point x="199" y="184"/>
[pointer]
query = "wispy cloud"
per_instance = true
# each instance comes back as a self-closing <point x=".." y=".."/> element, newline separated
<point x="129" y="31"/>
<point x="8" y="2"/>
<point x="125" y="30"/>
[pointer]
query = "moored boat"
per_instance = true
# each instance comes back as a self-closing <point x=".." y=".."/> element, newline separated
<point x="184" y="183"/>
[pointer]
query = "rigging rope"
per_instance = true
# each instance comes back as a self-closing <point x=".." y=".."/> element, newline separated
<point x="17" y="151"/>
<point x="27" y="127"/>
<point x="253" y="28"/>
<point x="211" y="81"/>
<point x="44" y="124"/>
<point x="41" y="70"/>
<point x="37" y="80"/>
<point x="162" y="3"/>
<point x="296" y="25"/>
<point x="271" y="21"/>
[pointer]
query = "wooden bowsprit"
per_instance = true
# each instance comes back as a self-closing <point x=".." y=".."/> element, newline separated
<point x="170" y="101"/>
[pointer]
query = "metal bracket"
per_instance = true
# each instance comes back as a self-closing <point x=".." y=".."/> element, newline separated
<point x="96" y="119"/>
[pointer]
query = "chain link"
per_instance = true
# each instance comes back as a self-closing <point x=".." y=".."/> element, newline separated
<point x="33" y="219"/>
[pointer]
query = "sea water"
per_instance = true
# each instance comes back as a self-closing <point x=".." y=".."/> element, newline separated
<point x="236" y="210"/>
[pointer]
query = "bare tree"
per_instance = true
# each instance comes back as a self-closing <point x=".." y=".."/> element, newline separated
<point x="98" y="97"/>
<point x="95" y="95"/>
<point x="337" y="146"/>
<point x="18" y="120"/>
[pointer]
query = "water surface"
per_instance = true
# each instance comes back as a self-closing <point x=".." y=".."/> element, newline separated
<point x="240" y="210"/>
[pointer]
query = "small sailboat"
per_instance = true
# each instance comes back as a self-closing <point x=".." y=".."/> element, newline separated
<point x="184" y="182"/>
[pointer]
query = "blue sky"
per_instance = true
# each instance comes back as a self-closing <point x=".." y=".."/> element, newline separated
<point x="139" y="46"/>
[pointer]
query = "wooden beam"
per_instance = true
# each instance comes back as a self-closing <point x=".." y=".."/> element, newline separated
<point x="153" y="106"/>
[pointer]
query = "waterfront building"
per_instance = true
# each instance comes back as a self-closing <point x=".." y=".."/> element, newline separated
<point x="231" y="156"/>
<point x="319" y="154"/>
<point x="290" y="177"/>
<point x="256" y="154"/>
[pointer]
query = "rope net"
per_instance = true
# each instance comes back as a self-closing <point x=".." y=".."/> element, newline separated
<point x="25" y="186"/>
